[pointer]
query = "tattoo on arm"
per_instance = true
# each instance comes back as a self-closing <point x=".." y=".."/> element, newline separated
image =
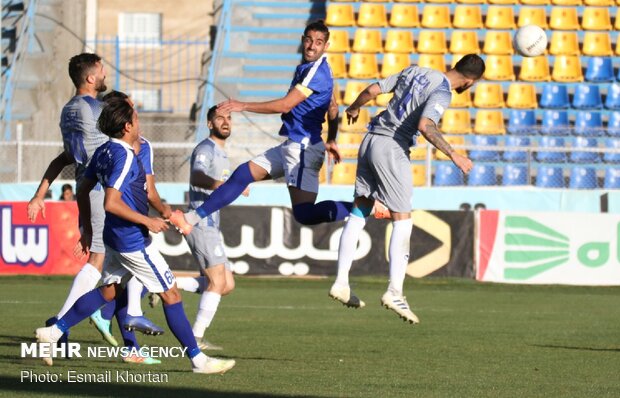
<point x="434" y="136"/>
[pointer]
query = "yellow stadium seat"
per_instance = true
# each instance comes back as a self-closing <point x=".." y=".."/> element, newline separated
<point x="567" y="68"/>
<point x="564" y="43"/>
<point x="418" y="171"/>
<point x="535" y="2"/>
<point x="454" y="141"/>
<point x="617" y="23"/>
<point x="532" y="16"/>
<point x="418" y="152"/>
<point x="535" y="69"/>
<point x="433" y="61"/>
<point x="372" y="15"/>
<point x="464" y="42"/>
<point x="471" y="1"/>
<point x="383" y="99"/>
<point x="462" y="100"/>
<point x="432" y="42"/>
<point x="437" y="17"/>
<point x="340" y="15"/>
<point x="456" y="121"/>
<point x="323" y="174"/>
<point x="488" y="95"/>
<point x="352" y="89"/>
<point x="498" y="42"/>
<point x="394" y="63"/>
<point x="618" y="48"/>
<point x="489" y="122"/>
<point x="597" y="44"/>
<point x="367" y="41"/>
<point x="499" y="67"/>
<point x="339" y="41"/>
<point x="344" y="173"/>
<point x="596" y="18"/>
<point x="337" y="93"/>
<point x="499" y="17"/>
<point x="404" y="16"/>
<point x="522" y="96"/>
<point x="363" y="66"/>
<point x="564" y="18"/>
<point x="399" y="41"/>
<point x="359" y="126"/>
<point x="455" y="59"/>
<point x="566" y="2"/>
<point x="348" y="144"/>
<point x="599" y="3"/>
<point x="407" y="1"/>
<point x="338" y="65"/>
<point x="467" y="17"/>
<point x="503" y="2"/>
<point x="439" y="1"/>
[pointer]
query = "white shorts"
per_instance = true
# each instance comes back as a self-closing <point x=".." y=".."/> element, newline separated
<point x="147" y="265"/>
<point x="298" y="163"/>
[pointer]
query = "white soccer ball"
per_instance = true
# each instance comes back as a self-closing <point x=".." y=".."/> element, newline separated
<point x="530" y="41"/>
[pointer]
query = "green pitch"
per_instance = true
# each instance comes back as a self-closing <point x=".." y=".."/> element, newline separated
<point x="290" y="339"/>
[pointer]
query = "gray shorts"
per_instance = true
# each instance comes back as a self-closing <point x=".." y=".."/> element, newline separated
<point x="207" y="247"/>
<point x="97" y="219"/>
<point x="384" y="173"/>
<point x="298" y="163"/>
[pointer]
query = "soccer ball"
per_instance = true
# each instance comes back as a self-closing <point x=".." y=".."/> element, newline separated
<point x="530" y="41"/>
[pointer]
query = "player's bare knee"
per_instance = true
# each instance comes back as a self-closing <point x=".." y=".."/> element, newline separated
<point x="171" y="296"/>
<point x="109" y="292"/>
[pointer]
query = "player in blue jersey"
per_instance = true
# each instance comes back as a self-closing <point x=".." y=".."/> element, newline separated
<point x="301" y="156"/>
<point x="116" y="167"/>
<point x="384" y="170"/>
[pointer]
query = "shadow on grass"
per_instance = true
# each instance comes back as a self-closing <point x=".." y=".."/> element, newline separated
<point x="565" y="347"/>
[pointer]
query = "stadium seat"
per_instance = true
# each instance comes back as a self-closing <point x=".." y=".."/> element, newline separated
<point x="504" y="2"/>
<point x="583" y="178"/>
<point x="555" y="122"/>
<point x="404" y="16"/>
<point x="489" y="122"/>
<point x="363" y="66"/>
<point x="596" y="18"/>
<point x="613" y="124"/>
<point x="522" y="122"/>
<point x="436" y="17"/>
<point x="343" y="173"/>
<point x="406" y="1"/>
<point x="367" y="41"/>
<point x="588" y="124"/>
<point x="418" y="171"/>
<point x="488" y="95"/>
<point x="454" y="141"/>
<point x="521" y="96"/>
<point x="550" y="177"/>
<point x="554" y="96"/>
<point x="394" y="63"/>
<point x="499" y="67"/>
<point x="384" y="99"/>
<point x="372" y="15"/>
<point x="462" y="100"/>
<point x="433" y="61"/>
<point x="534" y="69"/>
<point x="564" y="43"/>
<point x="597" y="44"/>
<point x="599" y="3"/>
<point x="499" y="17"/>
<point x="482" y="154"/>
<point x="612" y="178"/>
<point x="617" y="23"/>
<point x="564" y="18"/>
<point x="337" y="94"/>
<point x="447" y="174"/>
<point x="464" y="42"/>
<point x="515" y="175"/>
<point x="567" y="68"/>
<point x="482" y="175"/>
<point x="578" y="156"/>
<point x="511" y="155"/>
<point x="587" y="96"/>
<point x="467" y="17"/>
<point x="399" y="41"/>
<point x="544" y="155"/>
<point x="348" y="144"/>
<point x="471" y="1"/>
<point x="498" y="42"/>
<point x="532" y="16"/>
<point x="566" y="2"/>
<point x="419" y="151"/>
<point x="439" y="1"/>
<point x="352" y="90"/>
<point x="339" y="41"/>
<point x="432" y="42"/>
<point x="340" y="15"/>
<point x="612" y="101"/>
<point x="338" y="65"/>
<point x="359" y="126"/>
<point x="456" y="121"/>
<point x="600" y="69"/>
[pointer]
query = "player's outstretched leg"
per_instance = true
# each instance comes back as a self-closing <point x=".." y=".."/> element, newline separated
<point x="135" y="319"/>
<point x="101" y="319"/>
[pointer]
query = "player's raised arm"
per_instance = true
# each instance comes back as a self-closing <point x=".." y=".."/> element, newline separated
<point x="281" y="105"/>
<point x="37" y="203"/>
<point x="369" y="93"/>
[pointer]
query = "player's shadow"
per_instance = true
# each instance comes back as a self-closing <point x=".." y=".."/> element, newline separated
<point x="564" y="347"/>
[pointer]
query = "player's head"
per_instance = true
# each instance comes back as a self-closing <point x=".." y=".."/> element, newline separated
<point x="219" y="123"/>
<point x="87" y="69"/>
<point x="315" y="41"/>
<point x="117" y="94"/>
<point x="470" y="68"/>
<point x="119" y="118"/>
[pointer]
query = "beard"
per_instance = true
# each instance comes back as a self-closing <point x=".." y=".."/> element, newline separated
<point x="101" y="87"/>
<point x="221" y="135"/>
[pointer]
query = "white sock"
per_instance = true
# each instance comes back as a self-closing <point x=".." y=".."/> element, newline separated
<point x="194" y="285"/>
<point x="56" y="333"/>
<point x="347" y="247"/>
<point x="134" y="297"/>
<point x="85" y="281"/>
<point x="206" y="311"/>
<point x="192" y="217"/>
<point x="399" y="255"/>
<point x="199" y="360"/>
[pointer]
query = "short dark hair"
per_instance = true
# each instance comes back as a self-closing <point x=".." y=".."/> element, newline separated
<point x="470" y="66"/>
<point x="80" y="65"/>
<point x="114" y="94"/>
<point x="317" y="26"/>
<point x="65" y="187"/>
<point x="211" y="113"/>
<point x="115" y="114"/>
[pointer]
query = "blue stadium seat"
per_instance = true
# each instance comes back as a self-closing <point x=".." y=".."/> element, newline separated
<point x="587" y="96"/>
<point x="583" y="178"/>
<point x="515" y="156"/>
<point x="549" y="177"/>
<point x="549" y="156"/>
<point x="588" y="124"/>
<point x="555" y="123"/>
<point x="612" y="178"/>
<point x="554" y="96"/>
<point x="482" y="175"/>
<point x="515" y="175"/>
<point x="600" y="69"/>
<point x="483" y="140"/>
<point x="447" y="174"/>
<point x="612" y="143"/>
<point x="522" y="121"/>
<point x="612" y="101"/>
<point x="613" y="125"/>
<point x="578" y="156"/>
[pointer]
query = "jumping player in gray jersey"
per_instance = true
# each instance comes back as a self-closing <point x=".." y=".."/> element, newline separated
<point x="383" y="167"/>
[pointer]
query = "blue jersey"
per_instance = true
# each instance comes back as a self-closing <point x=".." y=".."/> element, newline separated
<point x="305" y="120"/>
<point x="146" y="156"/>
<point x="115" y="165"/>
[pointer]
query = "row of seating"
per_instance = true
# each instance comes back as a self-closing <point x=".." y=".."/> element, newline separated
<point x="596" y="3"/>
<point x="469" y="17"/>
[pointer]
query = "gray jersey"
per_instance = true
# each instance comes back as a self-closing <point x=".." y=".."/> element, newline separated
<point x="211" y="160"/>
<point x="418" y="92"/>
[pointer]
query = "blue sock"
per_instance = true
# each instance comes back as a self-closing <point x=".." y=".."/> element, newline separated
<point x="325" y="211"/>
<point x="108" y="310"/>
<point x="129" y="338"/>
<point x="81" y="309"/>
<point x="226" y="193"/>
<point x="180" y="327"/>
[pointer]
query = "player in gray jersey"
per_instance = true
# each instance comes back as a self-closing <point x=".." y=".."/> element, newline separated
<point x="383" y="167"/>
